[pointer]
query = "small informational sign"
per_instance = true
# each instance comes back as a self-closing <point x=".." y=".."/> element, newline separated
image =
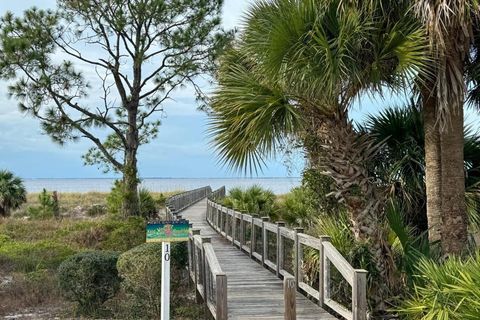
<point x="168" y="231"/>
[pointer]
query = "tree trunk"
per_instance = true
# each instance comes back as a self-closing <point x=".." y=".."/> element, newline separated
<point x="130" y="205"/>
<point x="433" y="166"/>
<point x="454" y="231"/>
<point x="344" y="156"/>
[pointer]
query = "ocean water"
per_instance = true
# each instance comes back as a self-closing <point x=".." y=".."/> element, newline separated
<point x="277" y="185"/>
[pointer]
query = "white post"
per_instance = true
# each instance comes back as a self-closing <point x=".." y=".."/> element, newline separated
<point x="165" y="307"/>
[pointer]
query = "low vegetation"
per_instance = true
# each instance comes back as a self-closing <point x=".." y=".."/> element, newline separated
<point x="66" y="265"/>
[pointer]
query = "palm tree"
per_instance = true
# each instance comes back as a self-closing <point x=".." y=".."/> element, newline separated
<point x="400" y="163"/>
<point x="12" y="193"/>
<point x="449" y="25"/>
<point x="294" y="72"/>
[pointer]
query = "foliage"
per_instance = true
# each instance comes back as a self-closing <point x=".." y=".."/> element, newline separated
<point x="400" y="164"/>
<point x="115" y="198"/>
<point x="46" y="207"/>
<point x="141" y="271"/>
<point x="148" y="205"/>
<point x="12" y="192"/>
<point x="253" y="200"/>
<point x="90" y="279"/>
<point x="447" y="290"/>
<point x="124" y="234"/>
<point x="96" y="210"/>
<point x="181" y="38"/>
<point x="315" y="61"/>
<point x="32" y="256"/>
<point x="296" y="209"/>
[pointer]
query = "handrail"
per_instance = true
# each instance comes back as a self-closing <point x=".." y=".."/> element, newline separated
<point x="209" y="279"/>
<point x="180" y="201"/>
<point x="217" y="194"/>
<point x="253" y="235"/>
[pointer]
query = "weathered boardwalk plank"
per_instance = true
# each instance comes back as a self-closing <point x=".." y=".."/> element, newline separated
<point x="253" y="292"/>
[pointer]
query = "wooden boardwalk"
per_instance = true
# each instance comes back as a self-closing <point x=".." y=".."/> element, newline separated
<point x="253" y="291"/>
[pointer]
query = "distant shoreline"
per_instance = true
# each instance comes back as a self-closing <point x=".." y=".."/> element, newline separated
<point x="278" y="185"/>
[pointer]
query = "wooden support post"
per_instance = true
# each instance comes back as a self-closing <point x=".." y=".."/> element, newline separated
<point x="221" y="297"/>
<point x="264" y="241"/>
<point x="242" y="231"/>
<point x="234" y="226"/>
<point x="204" y="273"/>
<point x="221" y="220"/>
<point x="298" y="257"/>
<point x="279" y="263"/>
<point x="321" y="272"/>
<point x="252" y="236"/>
<point x="289" y="294"/>
<point x="359" y="294"/>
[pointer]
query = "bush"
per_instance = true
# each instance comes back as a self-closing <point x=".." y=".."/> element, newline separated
<point x="46" y="209"/>
<point x="28" y="257"/>
<point x="115" y="198"/>
<point x="448" y="290"/>
<point x="252" y="200"/>
<point x="90" y="279"/>
<point x="148" y="206"/>
<point x="96" y="210"/>
<point x="122" y="235"/>
<point x="296" y="208"/>
<point x="141" y="270"/>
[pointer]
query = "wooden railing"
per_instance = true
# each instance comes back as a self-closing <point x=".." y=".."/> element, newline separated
<point x="209" y="279"/>
<point x="281" y="250"/>
<point x="180" y="201"/>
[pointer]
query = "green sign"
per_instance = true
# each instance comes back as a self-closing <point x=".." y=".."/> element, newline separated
<point x="168" y="231"/>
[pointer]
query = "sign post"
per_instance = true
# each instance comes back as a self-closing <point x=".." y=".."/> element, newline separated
<point x="166" y="232"/>
<point x="165" y="306"/>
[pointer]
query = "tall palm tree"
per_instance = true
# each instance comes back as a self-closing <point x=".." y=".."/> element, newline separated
<point x="12" y="192"/>
<point x="400" y="163"/>
<point x="449" y="24"/>
<point x="294" y="72"/>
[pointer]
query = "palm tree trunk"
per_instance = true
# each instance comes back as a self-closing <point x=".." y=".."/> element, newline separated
<point x="344" y="156"/>
<point x="454" y="232"/>
<point x="433" y="170"/>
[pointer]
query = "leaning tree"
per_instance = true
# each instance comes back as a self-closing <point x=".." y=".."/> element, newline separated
<point x="103" y="69"/>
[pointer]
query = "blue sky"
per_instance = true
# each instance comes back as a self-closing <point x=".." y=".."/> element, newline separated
<point x="181" y="150"/>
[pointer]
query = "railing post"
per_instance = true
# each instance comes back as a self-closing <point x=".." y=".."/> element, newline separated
<point x="242" y="231"/>
<point x="298" y="257"/>
<point x="234" y="226"/>
<point x="204" y="274"/>
<point x="289" y="295"/>
<point x="359" y="294"/>
<point x="252" y="236"/>
<point x="191" y="256"/>
<point x="221" y="297"/>
<point x="279" y="247"/>
<point x="321" y="272"/>
<point x="264" y="240"/>
<point x="221" y="220"/>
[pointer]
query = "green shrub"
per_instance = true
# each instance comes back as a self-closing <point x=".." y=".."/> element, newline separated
<point x="448" y="290"/>
<point x="161" y="200"/>
<point x="124" y="234"/>
<point x="96" y="210"/>
<point x="28" y="257"/>
<point x="296" y="208"/>
<point x="141" y="270"/>
<point x="252" y="200"/>
<point x="148" y="206"/>
<point x="115" y="198"/>
<point x="46" y="209"/>
<point x="90" y="279"/>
